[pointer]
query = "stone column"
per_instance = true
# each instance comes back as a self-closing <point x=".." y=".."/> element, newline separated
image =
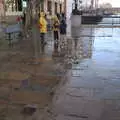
<point x="45" y="6"/>
<point x="53" y="7"/>
<point x="58" y="7"/>
<point x="65" y="6"/>
<point x="2" y="10"/>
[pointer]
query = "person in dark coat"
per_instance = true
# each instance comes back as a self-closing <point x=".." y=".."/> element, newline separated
<point x="63" y="32"/>
<point x="63" y="25"/>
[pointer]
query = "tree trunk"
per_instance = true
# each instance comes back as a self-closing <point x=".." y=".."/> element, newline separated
<point x="4" y="11"/>
<point x="16" y="5"/>
<point x="32" y="21"/>
<point x="35" y="32"/>
<point x="28" y="18"/>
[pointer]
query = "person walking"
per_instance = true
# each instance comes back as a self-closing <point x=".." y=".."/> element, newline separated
<point x="43" y="27"/>
<point x="24" y="18"/>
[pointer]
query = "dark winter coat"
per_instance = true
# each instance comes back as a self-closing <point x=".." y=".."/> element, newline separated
<point x="63" y="26"/>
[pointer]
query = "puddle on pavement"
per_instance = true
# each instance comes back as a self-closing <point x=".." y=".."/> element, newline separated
<point x="92" y="56"/>
<point x="100" y="55"/>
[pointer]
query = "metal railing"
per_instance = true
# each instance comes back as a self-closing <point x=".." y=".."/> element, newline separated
<point x="113" y="20"/>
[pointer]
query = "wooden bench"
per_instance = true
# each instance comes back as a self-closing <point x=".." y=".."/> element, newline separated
<point x="10" y="31"/>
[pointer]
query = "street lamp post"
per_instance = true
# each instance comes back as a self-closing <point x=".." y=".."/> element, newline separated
<point x="76" y="4"/>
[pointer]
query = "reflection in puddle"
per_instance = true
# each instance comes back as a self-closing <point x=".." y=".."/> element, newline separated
<point x="98" y="48"/>
<point x="78" y="46"/>
<point x="93" y="81"/>
<point x="83" y="40"/>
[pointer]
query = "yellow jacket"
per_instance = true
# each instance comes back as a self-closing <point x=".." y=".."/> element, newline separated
<point x="42" y="23"/>
<point x="56" y="24"/>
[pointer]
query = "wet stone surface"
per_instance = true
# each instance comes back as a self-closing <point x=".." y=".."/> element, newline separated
<point x="24" y="83"/>
<point x="78" y="80"/>
<point x="92" y="88"/>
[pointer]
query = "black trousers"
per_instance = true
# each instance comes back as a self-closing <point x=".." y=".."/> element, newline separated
<point x="56" y="35"/>
<point x="42" y="35"/>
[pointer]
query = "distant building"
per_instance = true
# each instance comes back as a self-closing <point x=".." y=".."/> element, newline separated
<point x="16" y="7"/>
<point x="51" y="6"/>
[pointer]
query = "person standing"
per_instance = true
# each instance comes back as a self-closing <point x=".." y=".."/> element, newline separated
<point x="63" y="31"/>
<point x="18" y="19"/>
<point x="24" y="27"/>
<point x="43" y="27"/>
<point x="63" y="26"/>
<point x="56" y="25"/>
<point x="24" y="18"/>
<point x="58" y="16"/>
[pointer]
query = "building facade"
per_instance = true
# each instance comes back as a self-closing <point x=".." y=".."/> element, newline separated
<point x="49" y="6"/>
<point x="53" y="6"/>
<point x="14" y="8"/>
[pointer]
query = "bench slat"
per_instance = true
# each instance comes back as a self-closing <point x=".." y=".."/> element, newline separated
<point x="13" y="28"/>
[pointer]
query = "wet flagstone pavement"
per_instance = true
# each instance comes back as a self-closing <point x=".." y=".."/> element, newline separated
<point x="92" y="91"/>
<point x="78" y="82"/>
<point x="24" y="83"/>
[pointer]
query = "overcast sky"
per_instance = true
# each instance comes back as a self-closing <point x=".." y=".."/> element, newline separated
<point x="115" y="3"/>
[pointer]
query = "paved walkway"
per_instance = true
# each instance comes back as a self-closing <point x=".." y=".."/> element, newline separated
<point x="92" y="90"/>
<point x="24" y="83"/>
<point x="86" y="68"/>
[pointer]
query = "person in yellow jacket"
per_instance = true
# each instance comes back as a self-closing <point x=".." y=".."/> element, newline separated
<point x="56" y="25"/>
<point x="43" y="27"/>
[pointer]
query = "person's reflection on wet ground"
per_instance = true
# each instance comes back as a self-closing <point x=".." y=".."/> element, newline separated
<point x="43" y="49"/>
<point x="63" y="47"/>
<point x="55" y="51"/>
<point x="75" y="43"/>
<point x="60" y="49"/>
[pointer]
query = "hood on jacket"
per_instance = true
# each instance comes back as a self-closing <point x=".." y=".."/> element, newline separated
<point x="42" y="14"/>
